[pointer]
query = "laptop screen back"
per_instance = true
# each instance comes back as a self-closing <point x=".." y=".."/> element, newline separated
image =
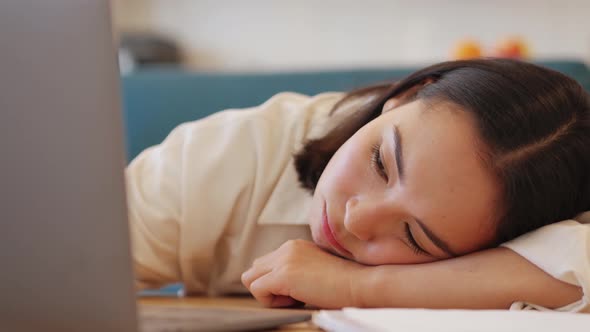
<point x="64" y="248"/>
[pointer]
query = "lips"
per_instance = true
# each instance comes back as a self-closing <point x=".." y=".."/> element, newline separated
<point x="330" y="236"/>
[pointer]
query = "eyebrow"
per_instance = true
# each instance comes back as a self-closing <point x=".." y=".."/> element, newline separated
<point x="399" y="162"/>
<point x="397" y="150"/>
<point x="442" y="245"/>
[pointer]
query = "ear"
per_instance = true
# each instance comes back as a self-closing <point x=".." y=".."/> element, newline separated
<point x="404" y="96"/>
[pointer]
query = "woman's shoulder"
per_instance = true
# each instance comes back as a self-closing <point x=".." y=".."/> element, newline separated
<point x="285" y="108"/>
<point x="285" y="119"/>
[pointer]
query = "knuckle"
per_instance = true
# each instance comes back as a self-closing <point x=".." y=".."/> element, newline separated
<point x="288" y="245"/>
<point x="293" y="245"/>
<point x="244" y="278"/>
<point x="286" y="270"/>
<point x="257" y="261"/>
<point x="261" y="293"/>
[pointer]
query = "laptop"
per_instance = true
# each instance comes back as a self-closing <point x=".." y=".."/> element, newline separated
<point x="65" y="262"/>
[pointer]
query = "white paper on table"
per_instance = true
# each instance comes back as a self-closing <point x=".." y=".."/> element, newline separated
<point x="422" y="320"/>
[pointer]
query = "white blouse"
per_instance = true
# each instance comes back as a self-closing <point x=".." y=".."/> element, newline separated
<point x="221" y="191"/>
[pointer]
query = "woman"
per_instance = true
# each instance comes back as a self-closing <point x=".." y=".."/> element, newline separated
<point x="439" y="168"/>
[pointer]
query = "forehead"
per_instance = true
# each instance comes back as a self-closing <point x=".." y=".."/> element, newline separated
<point x="442" y="132"/>
<point x="447" y="184"/>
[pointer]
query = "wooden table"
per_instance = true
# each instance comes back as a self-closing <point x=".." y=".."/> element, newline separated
<point x="226" y="302"/>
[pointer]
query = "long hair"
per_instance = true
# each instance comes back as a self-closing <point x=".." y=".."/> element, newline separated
<point x="534" y="124"/>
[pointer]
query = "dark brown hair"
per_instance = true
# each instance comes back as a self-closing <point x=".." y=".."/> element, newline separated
<point x="533" y="121"/>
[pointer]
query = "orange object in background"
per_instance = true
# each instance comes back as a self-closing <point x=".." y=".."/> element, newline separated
<point x="467" y="49"/>
<point x="512" y="47"/>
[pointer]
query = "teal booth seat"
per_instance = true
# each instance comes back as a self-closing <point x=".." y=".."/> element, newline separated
<point x="157" y="100"/>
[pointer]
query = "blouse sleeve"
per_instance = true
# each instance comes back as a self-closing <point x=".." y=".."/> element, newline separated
<point x="563" y="251"/>
<point x="153" y="198"/>
<point x="206" y="181"/>
<point x="183" y="193"/>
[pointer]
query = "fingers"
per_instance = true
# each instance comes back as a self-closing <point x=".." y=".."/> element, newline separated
<point x="265" y="288"/>
<point x="269" y="290"/>
<point x="263" y="265"/>
<point x="251" y="275"/>
<point x="259" y="268"/>
<point x="280" y="301"/>
<point x="268" y="277"/>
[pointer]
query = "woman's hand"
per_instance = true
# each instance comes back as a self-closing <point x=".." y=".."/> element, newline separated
<point x="299" y="271"/>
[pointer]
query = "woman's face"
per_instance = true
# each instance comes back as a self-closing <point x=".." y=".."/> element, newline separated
<point x="408" y="187"/>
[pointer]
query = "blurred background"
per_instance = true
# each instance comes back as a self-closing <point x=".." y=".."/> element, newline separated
<point x="185" y="59"/>
<point x="267" y="35"/>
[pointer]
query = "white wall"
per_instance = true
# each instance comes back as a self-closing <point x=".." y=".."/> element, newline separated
<point x="304" y="34"/>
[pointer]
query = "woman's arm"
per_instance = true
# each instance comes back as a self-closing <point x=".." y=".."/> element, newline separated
<point x="495" y="278"/>
<point x="491" y="279"/>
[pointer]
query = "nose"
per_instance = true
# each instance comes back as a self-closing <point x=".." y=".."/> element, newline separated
<point x="366" y="218"/>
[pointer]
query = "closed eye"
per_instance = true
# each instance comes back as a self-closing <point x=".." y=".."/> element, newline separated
<point x="413" y="243"/>
<point x="377" y="162"/>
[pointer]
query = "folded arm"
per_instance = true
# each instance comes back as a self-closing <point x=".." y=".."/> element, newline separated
<point x="491" y="279"/>
<point x="548" y="268"/>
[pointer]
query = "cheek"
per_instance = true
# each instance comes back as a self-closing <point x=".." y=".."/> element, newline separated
<point x="315" y="216"/>
<point x="345" y="171"/>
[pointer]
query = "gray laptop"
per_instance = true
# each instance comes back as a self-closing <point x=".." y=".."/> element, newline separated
<point x="64" y="241"/>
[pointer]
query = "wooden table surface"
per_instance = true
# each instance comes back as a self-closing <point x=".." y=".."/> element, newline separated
<point x="226" y="302"/>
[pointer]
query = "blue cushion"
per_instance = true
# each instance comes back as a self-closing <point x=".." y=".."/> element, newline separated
<point x="157" y="100"/>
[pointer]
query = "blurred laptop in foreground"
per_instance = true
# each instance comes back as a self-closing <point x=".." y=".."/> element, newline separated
<point x="64" y="247"/>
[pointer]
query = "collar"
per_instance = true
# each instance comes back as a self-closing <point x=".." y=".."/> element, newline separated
<point x="289" y="203"/>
